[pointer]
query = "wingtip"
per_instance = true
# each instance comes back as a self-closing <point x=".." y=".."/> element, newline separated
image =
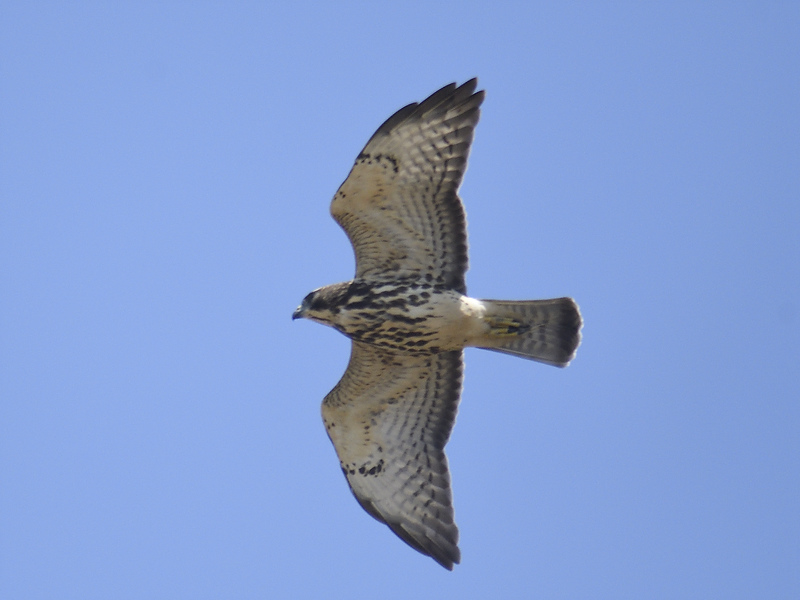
<point x="441" y="547"/>
<point x="451" y="94"/>
<point x="470" y="85"/>
<point x="448" y="561"/>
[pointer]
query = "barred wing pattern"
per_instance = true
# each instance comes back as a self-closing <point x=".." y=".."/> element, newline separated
<point x="389" y="419"/>
<point x="399" y="205"/>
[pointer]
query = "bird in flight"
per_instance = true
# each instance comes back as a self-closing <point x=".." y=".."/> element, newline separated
<point x="409" y="319"/>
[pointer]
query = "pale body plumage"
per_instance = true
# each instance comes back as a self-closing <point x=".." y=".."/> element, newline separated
<point x="408" y="315"/>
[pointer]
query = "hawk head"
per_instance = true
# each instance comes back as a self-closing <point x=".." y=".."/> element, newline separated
<point x="322" y="305"/>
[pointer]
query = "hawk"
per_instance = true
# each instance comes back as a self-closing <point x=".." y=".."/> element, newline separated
<point x="409" y="319"/>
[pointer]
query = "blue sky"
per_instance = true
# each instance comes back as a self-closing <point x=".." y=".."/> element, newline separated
<point x="165" y="176"/>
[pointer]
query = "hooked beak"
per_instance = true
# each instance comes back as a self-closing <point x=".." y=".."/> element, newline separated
<point x="298" y="313"/>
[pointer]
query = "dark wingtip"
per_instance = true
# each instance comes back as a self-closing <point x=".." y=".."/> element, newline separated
<point x="449" y="95"/>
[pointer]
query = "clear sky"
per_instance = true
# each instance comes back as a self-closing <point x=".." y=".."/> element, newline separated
<point x="166" y="170"/>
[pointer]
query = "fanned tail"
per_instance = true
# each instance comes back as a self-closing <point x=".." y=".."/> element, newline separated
<point x="548" y="331"/>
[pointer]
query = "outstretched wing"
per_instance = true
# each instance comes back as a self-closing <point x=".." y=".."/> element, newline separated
<point x="399" y="206"/>
<point x="389" y="419"/>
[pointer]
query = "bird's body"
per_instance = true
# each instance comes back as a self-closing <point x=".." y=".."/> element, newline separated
<point x="405" y="315"/>
<point x="409" y="317"/>
<point x="418" y="317"/>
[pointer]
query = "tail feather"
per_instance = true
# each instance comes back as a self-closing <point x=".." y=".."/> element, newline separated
<point x="547" y="331"/>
